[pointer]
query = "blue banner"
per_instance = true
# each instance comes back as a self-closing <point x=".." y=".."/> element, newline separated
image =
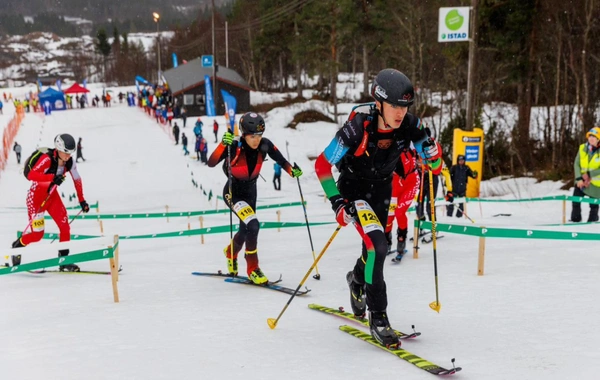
<point x="137" y="85"/>
<point x="58" y="85"/>
<point x="230" y="105"/>
<point x="175" y="63"/>
<point x="85" y="83"/>
<point x="141" y="80"/>
<point x="210" y="103"/>
<point x="39" y="83"/>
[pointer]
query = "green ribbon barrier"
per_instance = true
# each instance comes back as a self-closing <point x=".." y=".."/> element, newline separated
<point x="194" y="232"/>
<point x="509" y="233"/>
<point x="174" y="214"/>
<point x="92" y="206"/>
<point x="99" y="254"/>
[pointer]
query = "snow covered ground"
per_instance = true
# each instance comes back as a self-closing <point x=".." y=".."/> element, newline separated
<point x="532" y="316"/>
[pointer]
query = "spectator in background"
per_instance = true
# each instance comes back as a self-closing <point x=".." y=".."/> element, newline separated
<point x="184" y="142"/>
<point x="170" y="115"/>
<point x="277" y="176"/>
<point x="2" y="105"/>
<point x="17" y="150"/>
<point x="216" y="130"/>
<point x="184" y="115"/>
<point x="203" y="150"/>
<point x="587" y="175"/>
<point x="176" y="133"/>
<point x="460" y="174"/>
<point x="197" y="146"/>
<point x="198" y="127"/>
<point x="79" y="151"/>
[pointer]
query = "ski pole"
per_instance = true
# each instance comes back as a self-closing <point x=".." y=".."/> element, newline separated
<point x="467" y="216"/>
<point x="418" y="230"/>
<point x="230" y="200"/>
<point x="40" y="209"/>
<point x="273" y="322"/>
<point x="316" y="276"/>
<point x="72" y="219"/>
<point x="435" y="305"/>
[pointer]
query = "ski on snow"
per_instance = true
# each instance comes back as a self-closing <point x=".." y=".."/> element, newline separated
<point x="246" y="281"/>
<point x="363" y="321"/>
<point x="421" y="363"/>
<point x="69" y="272"/>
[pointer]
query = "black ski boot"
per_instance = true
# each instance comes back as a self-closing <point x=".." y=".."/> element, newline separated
<point x="358" y="298"/>
<point x="16" y="259"/>
<point x="68" y="267"/>
<point x="401" y="233"/>
<point x="593" y="217"/>
<point x="382" y="331"/>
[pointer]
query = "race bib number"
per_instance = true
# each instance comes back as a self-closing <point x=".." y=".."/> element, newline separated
<point x="37" y="224"/>
<point x="367" y="217"/>
<point x="393" y="206"/>
<point x="244" y="211"/>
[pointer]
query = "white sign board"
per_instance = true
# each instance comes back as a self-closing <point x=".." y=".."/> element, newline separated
<point x="453" y="24"/>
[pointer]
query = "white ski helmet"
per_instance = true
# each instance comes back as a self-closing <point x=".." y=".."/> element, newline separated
<point x="65" y="143"/>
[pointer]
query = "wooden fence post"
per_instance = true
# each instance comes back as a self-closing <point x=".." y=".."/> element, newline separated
<point x="116" y="255"/>
<point x="481" y="260"/>
<point x="278" y="219"/>
<point x="167" y="208"/>
<point x="114" y="273"/>
<point x="564" y="218"/>
<point x="415" y="240"/>
<point x="202" y="226"/>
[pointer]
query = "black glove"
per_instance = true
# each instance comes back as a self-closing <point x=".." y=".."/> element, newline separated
<point x="56" y="181"/>
<point x="450" y="197"/>
<point x="85" y="207"/>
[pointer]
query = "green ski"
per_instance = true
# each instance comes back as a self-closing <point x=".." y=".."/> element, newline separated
<point x="363" y="321"/>
<point x="423" y="364"/>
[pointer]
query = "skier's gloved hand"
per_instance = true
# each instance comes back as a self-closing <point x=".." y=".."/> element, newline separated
<point x="296" y="171"/>
<point x="450" y="197"/>
<point x="429" y="150"/>
<point x="58" y="180"/>
<point x="85" y="207"/>
<point x="344" y="210"/>
<point x="227" y="138"/>
<point x="475" y="173"/>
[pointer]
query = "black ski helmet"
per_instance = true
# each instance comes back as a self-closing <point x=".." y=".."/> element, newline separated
<point x="460" y="157"/>
<point x="252" y="123"/>
<point x="65" y="143"/>
<point x="391" y="86"/>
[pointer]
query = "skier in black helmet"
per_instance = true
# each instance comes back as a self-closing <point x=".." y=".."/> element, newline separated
<point x="366" y="151"/>
<point x="247" y="154"/>
<point x="47" y="169"/>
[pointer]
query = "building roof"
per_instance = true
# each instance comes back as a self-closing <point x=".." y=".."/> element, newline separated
<point x="191" y="74"/>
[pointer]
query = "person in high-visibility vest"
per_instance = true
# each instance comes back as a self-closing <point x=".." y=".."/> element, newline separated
<point x="587" y="175"/>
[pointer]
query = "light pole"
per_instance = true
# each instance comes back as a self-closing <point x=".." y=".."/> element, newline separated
<point x="156" y="17"/>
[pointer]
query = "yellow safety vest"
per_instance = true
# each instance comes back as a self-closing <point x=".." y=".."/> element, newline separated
<point x="589" y="163"/>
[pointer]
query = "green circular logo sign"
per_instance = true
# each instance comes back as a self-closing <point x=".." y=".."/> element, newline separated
<point x="454" y="21"/>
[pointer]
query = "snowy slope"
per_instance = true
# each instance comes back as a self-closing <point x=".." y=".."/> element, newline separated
<point x="532" y="316"/>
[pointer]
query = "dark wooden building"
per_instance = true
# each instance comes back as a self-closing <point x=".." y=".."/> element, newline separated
<point x="187" y="84"/>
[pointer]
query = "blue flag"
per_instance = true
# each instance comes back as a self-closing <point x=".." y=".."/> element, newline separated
<point x="39" y="85"/>
<point x="230" y="105"/>
<point x="141" y="80"/>
<point x="210" y="103"/>
<point x="137" y="85"/>
<point x="58" y="84"/>
<point x="175" y="64"/>
<point x="85" y="83"/>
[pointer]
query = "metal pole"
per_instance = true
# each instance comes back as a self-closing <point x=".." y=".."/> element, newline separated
<point x="214" y="59"/>
<point x="472" y="66"/>
<point x="226" y="46"/>
<point x="158" y="48"/>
